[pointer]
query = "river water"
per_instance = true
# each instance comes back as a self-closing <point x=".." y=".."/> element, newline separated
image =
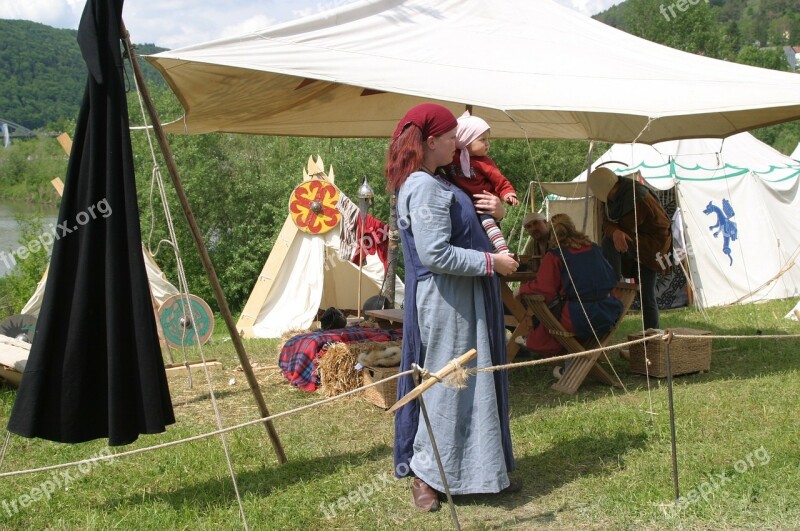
<point x="10" y="230"/>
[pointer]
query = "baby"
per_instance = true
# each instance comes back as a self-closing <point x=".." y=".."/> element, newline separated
<point x="474" y="172"/>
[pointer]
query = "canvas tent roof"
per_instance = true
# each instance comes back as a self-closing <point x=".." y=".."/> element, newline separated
<point x="534" y="69"/>
<point x="762" y="188"/>
<point x="703" y="158"/>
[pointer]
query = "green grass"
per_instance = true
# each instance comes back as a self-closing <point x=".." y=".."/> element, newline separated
<point x="598" y="460"/>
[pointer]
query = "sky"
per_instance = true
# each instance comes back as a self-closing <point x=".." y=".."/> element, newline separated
<point x="176" y="23"/>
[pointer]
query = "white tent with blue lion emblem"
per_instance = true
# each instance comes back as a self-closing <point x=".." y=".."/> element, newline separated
<point x="739" y="201"/>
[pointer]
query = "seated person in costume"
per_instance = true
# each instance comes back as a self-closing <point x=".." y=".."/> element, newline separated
<point x="474" y="172"/>
<point x="538" y="229"/>
<point x="577" y="279"/>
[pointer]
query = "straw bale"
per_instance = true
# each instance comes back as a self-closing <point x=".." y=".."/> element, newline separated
<point x="336" y="367"/>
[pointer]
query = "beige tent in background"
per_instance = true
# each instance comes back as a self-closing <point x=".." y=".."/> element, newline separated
<point x="304" y="273"/>
<point x="160" y="287"/>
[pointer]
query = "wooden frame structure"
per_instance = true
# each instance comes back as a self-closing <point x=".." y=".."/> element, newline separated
<point x="580" y="367"/>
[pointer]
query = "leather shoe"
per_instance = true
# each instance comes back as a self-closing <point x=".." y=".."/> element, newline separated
<point x="514" y="486"/>
<point x="424" y="496"/>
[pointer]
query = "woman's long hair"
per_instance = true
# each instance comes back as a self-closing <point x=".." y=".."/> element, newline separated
<point x="403" y="157"/>
<point x="564" y="234"/>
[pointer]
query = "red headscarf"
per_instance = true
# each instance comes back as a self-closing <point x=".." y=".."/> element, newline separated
<point x="432" y="119"/>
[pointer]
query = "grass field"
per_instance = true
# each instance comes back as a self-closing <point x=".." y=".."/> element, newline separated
<point x="598" y="460"/>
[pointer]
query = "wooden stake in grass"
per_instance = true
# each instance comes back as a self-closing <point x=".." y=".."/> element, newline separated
<point x="438" y="376"/>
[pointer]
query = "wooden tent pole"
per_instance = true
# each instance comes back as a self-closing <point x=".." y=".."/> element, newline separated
<point x="394" y="238"/>
<point x="201" y="248"/>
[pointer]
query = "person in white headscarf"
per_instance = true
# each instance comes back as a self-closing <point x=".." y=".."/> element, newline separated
<point x="475" y="173"/>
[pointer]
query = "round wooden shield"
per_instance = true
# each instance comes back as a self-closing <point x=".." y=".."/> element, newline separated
<point x="312" y="206"/>
<point x="182" y="323"/>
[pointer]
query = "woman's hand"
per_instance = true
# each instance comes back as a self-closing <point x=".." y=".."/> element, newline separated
<point x="504" y="264"/>
<point x="486" y="203"/>
<point x="621" y="241"/>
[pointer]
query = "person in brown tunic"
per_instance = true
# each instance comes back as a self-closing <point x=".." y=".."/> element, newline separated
<point x="631" y="235"/>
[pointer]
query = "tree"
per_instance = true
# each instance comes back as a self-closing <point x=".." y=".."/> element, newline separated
<point x="693" y="29"/>
<point x="772" y="58"/>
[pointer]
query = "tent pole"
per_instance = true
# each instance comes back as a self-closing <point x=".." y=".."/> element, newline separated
<point x="391" y="266"/>
<point x="201" y="248"/>
<point x="589" y="162"/>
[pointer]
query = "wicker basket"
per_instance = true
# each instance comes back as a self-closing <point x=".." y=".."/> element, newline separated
<point x="385" y="394"/>
<point x="687" y="355"/>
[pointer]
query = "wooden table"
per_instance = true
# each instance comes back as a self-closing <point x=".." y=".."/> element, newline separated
<point x="521" y="314"/>
<point x="390" y="318"/>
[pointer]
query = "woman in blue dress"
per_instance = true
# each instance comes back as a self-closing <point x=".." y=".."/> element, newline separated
<point x="452" y="305"/>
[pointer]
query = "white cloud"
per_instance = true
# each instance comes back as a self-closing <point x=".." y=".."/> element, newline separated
<point x="56" y="13"/>
<point x="176" y="23"/>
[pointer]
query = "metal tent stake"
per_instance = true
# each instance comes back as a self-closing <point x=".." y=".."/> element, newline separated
<point x="201" y="248"/>
<point x="435" y="448"/>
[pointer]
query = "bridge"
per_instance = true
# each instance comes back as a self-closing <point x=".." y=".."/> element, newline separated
<point x="14" y="130"/>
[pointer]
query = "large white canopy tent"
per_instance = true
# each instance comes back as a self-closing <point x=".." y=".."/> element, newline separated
<point x="531" y="68"/>
<point x="762" y="187"/>
<point x="534" y="70"/>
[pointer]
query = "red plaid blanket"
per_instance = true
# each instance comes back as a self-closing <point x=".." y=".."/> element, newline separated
<point x="298" y="355"/>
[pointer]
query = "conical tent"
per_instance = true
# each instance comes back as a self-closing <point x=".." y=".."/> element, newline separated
<point x="304" y="273"/>
<point x="739" y="200"/>
<point x="160" y="287"/>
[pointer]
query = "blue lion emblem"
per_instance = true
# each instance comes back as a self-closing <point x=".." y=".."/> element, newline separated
<point x="724" y="224"/>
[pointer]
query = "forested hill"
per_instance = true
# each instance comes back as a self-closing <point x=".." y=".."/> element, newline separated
<point x="725" y="29"/>
<point x="42" y="73"/>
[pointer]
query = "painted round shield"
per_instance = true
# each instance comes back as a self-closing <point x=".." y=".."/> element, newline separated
<point x="312" y="206"/>
<point x="21" y="326"/>
<point x="182" y="323"/>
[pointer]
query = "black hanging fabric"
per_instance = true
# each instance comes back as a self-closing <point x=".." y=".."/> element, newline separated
<point x="95" y="368"/>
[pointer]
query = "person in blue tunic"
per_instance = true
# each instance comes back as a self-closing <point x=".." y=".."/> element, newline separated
<point x="574" y="270"/>
<point x="452" y="304"/>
